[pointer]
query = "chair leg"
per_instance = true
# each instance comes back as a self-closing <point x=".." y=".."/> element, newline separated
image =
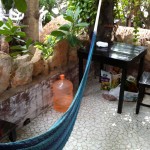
<point x="140" y="98"/>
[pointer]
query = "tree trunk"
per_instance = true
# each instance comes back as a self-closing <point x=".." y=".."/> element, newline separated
<point x="106" y="21"/>
<point x="31" y="19"/>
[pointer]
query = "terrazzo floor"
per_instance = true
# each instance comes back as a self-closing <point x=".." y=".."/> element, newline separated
<point x="98" y="125"/>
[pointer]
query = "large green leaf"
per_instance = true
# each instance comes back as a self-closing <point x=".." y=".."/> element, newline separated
<point x="9" y="22"/>
<point x="59" y="38"/>
<point x="1" y="23"/>
<point x="21" y="5"/>
<point x="21" y="34"/>
<point x="7" y="4"/>
<point x="65" y="27"/>
<point x="70" y="13"/>
<point x="4" y="32"/>
<point x="8" y="38"/>
<point x="14" y="29"/>
<point x="8" y="25"/>
<point x="29" y="42"/>
<point x="82" y="24"/>
<point x="59" y="33"/>
<point x="73" y="40"/>
<point x="76" y="14"/>
<point x="68" y="18"/>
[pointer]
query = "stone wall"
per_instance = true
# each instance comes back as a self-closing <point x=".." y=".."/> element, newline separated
<point x="25" y="102"/>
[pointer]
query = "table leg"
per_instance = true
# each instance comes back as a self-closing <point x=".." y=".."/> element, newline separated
<point x="140" y="69"/>
<point x="80" y="69"/>
<point x="101" y="68"/>
<point x="13" y="136"/>
<point x="121" y="95"/>
<point x="140" y="98"/>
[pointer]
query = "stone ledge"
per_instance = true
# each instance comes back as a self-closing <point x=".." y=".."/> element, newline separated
<point x="12" y="91"/>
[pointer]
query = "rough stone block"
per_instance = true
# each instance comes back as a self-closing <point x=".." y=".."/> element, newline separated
<point x="23" y="75"/>
<point x="38" y="63"/>
<point x="5" y="71"/>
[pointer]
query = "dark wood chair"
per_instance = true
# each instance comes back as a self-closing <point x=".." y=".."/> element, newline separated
<point x="143" y="84"/>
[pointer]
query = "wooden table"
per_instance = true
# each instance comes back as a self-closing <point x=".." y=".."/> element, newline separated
<point x="7" y="129"/>
<point x="118" y="54"/>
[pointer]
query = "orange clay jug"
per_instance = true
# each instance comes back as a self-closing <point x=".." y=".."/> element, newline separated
<point x="62" y="94"/>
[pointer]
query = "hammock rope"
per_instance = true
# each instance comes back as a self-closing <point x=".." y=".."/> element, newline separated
<point x="57" y="136"/>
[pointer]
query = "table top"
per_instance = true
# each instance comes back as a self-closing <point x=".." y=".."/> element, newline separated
<point x="119" y="51"/>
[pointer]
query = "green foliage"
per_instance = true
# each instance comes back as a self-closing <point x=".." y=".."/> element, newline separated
<point x="48" y="18"/>
<point x="72" y="29"/>
<point x="7" y="4"/>
<point x="133" y="11"/>
<point x="47" y="3"/>
<point x="88" y="9"/>
<point x="47" y="47"/>
<point x="15" y="37"/>
<point x="21" y="5"/>
<point x="129" y="8"/>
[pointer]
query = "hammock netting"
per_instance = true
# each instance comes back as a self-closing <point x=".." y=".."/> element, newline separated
<point x="57" y="136"/>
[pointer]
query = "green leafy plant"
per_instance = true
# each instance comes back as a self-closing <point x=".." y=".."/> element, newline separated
<point x="47" y="47"/>
<point x="88" y="9"/>
<point x="71" y="30"/>
<point x="15" y="37"/>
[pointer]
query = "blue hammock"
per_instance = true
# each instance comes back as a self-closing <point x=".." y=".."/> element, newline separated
<point x="57" y="136"/>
